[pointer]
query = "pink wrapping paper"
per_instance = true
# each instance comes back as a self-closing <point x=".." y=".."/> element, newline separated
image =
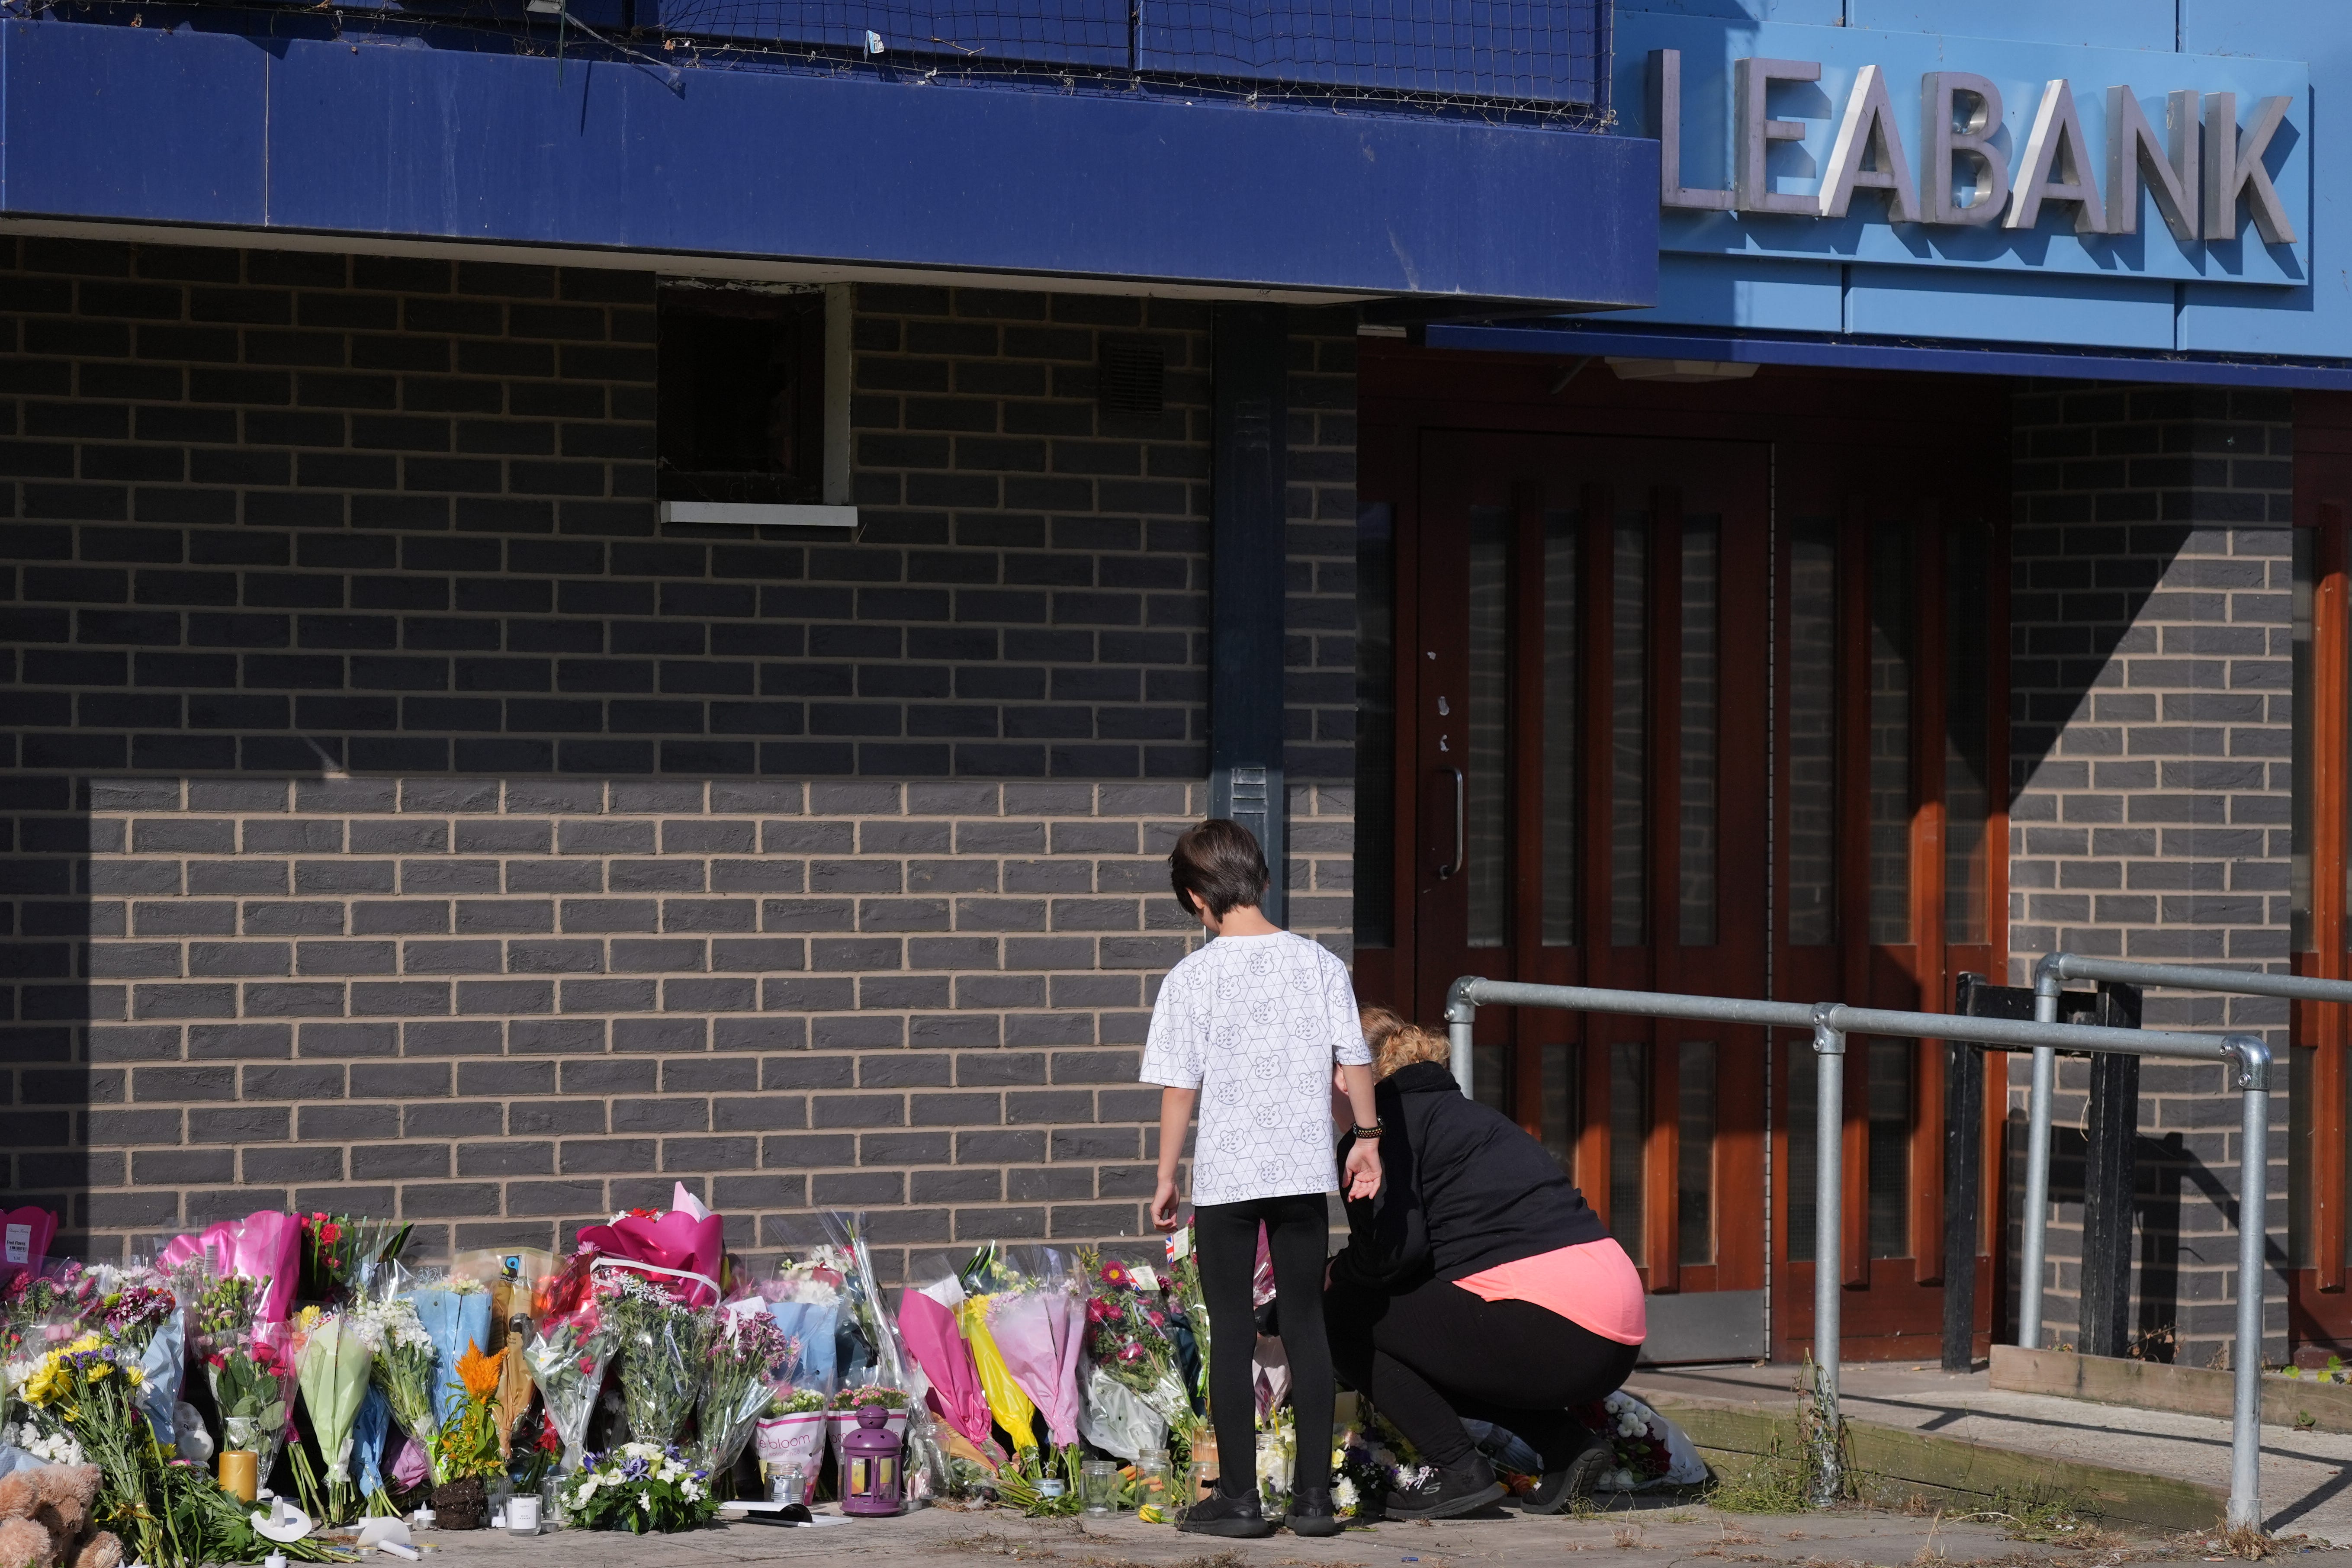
<point x="263" y="1246"/>
<point x="676" y="1240"/>
<point x="25" y="1238"/>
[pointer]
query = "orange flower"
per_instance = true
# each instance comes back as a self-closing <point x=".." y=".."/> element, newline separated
<point x="479" y="1373"/>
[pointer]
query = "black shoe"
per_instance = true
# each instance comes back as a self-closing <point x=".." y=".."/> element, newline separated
<point x="1219" y="1514"/>
<point x="1311" y="1512"/>
<point x="1458" y="1489"/>
<point x="1581" y="1477"/>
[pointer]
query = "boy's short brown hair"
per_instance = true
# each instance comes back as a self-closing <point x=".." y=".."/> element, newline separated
<point x="1218" y="864"/>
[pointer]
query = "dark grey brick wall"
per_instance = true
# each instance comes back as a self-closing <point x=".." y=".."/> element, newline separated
<point x="402" y="820"/>
<point x="2151" y="733"/>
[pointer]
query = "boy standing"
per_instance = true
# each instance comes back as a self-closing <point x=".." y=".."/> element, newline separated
<point x="1249" y="1026"/>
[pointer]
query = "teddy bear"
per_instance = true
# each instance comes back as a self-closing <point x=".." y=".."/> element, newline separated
<point x="45" y="1519"/>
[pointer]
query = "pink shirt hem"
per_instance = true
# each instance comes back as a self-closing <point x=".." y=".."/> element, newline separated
<point x="1592" y="1284"/>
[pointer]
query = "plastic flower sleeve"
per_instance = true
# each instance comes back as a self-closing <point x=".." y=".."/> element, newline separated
<point x="569" y="1349"/>
<point x="663" y="1348"/>
<point x="1114" y="1417"/>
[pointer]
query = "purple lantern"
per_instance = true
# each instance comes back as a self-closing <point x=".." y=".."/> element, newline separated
<point x="871" y="1459"/>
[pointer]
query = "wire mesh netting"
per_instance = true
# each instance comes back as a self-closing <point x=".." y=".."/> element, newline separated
<point x="1535" y="52"/>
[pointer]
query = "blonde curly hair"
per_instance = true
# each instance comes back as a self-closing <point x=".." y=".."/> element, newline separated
<point x="1395" y="1044"/>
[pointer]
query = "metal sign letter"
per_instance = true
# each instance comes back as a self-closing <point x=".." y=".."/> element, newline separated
<point x="1750" y="80"/>
<point x="1947" y="139"/>
<point x="1868" y="135"/>
<point x="1666" y="104"/>
<point x="2233" y="162"/>
<point x="2132" y="148"/>
<point x="2057" y="167"/>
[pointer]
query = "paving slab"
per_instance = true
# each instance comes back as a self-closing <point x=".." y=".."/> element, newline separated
<point x="2306" y="1476"/>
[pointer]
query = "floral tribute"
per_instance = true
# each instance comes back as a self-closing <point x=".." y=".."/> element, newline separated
<point x="642" y="1487"/>
<point x="1636" y="1435"/>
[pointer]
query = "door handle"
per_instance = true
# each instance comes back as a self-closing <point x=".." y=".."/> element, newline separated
<point x="1461" y="827"/>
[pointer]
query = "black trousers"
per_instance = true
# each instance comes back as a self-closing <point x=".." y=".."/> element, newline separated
<point x="1436" y="1353"/>
<point x="1298" y="1235"/>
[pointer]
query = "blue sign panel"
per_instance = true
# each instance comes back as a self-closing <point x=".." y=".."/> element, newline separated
<point x="1910" y="149"/>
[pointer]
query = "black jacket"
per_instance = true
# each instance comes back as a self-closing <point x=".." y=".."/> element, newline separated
<point x="1463" y="1189"/>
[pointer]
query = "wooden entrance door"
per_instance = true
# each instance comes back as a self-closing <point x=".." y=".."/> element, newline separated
<point x="1589" y="650"/>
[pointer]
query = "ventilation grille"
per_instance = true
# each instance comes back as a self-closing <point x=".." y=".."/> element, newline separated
<point x="1132" y="378"/>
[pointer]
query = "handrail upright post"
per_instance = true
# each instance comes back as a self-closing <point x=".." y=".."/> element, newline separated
<point x="2047" y="979"/>
<point x="2251" y="1060"/>
<point x="1829" y="1258"/>
<point x="1461" y="1017"/>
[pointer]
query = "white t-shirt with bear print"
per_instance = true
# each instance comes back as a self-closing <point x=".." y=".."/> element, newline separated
<point x="1256" y="1022"/>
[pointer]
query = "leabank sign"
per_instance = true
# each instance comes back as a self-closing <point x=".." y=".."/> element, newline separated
<point x="1910" y="149"/>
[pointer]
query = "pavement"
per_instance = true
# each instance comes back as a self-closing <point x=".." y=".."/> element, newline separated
<point x="2306" y="1476"/>
<point x="1645" y="1533"/>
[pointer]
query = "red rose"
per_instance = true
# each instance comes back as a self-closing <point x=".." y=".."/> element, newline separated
<point x="331" y="1233"/>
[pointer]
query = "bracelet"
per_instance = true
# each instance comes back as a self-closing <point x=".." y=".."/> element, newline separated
<point x="1374" y="1131"/>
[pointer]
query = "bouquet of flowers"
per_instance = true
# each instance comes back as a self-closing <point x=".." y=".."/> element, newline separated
<point x="333" y="1357"/>
<point x="1183" y="1282"/>
<point x="682" y="1247"/>
<point x="456" y="1313"/>
<point x="571" y="1346"/>
<point x="253" y="1379"/>
<point x="533" y="1449"/>
<point x="405" y="1368"/>
<point x="341" y="1254"/>
<point x="135" y="1309"/>
<point x="1277" y="1460"/>
<point x="1127" y="1336"/>
<point x="467" y="1444"/>
<point x="1039" y="1328"/>
<point x="749" y="1355"/>
<point x="641" y="1487"/>
<point x="1645" y="1444"/>
<point x="25" y="1236"/>
<point x="663" y="1345"/>
<point x="806" y="1298"/>
<point x="264" y="1247"/>
<point x="168" y="1513"/>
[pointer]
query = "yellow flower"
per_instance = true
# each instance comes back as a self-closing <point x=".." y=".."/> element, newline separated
<point x="134" y="1378"/>
<point x="87" y="1342"/>
<point x="307" y="1318"/>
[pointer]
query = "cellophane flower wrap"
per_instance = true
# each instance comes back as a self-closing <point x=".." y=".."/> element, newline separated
<point x="1039" y="1328"/>
<point x="265" y="1247"/>
<point x="1129" y="1337"/>
<point x="749" y="1357"/>
<point x="663" y="1344"/>
<point x="341" y="1254"/>
<point x="38" y="1313"/>
<point x="571" y="1346"/>
<point x="405" y="1367"/>
<point x="680" y="1249"/>
<point x="642" y="1487"/>
<point x="805" y="1297"/>
<point x="25" y="1236"/>
<point x="983" y="1277"/>
<point x="135" y="1309"/>
<point x="333" y="1357"/>
<point x="253" y="1376"/>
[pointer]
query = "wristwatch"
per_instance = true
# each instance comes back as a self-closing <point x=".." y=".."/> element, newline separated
<point x="1374" y="1131"/>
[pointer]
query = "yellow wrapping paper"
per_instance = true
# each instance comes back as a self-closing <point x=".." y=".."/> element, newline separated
<point x="1014" y="1410"/>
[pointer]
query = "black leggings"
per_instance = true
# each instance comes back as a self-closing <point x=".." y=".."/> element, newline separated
<point x="1298" y="1237"/>
<point x="1437" y="1352"/>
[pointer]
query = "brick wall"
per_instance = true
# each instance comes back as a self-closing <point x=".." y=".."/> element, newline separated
<point x="403" y="821"/>
<point x="2152" y="734"/>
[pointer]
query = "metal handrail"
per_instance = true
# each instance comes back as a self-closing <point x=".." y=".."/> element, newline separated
<point x="1829" y="1023"/>
<point x="2049" y="979"/>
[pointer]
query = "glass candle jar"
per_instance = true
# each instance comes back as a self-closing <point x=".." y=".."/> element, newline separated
<point x="1098" y="1487"/>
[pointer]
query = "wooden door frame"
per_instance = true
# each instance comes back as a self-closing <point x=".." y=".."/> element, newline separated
<point x="1817" y="419"/>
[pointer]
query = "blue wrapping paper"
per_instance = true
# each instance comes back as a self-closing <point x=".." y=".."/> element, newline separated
<point x="369" y="1433"/>
<point x="455" y="1322"/>
<point x="161" y="1365"/>
<point x="816" y="1326"/>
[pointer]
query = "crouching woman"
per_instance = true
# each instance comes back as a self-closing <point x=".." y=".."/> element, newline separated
<point x="1477" y="1284"/>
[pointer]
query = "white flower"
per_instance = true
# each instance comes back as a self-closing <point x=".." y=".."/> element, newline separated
<point x="693" y="1491"/>
<point x="645" y="1501"/>
<point x="1343" y="1493"/>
